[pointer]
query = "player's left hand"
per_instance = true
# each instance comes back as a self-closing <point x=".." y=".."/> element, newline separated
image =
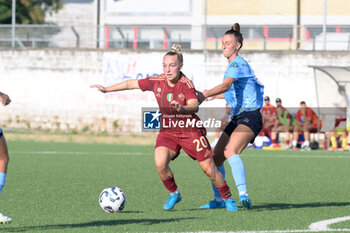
<point x="176" y="105"/>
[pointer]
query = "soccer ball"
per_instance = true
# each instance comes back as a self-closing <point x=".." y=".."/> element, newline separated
<point x="112" y="199"/>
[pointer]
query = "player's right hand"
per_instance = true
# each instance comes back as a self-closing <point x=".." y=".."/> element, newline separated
<point x="99" y="87"/>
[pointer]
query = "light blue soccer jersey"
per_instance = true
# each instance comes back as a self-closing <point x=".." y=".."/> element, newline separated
<point x="246" y="92"/>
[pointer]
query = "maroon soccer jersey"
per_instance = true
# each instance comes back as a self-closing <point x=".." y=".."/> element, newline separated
<point x="171" y="120"/>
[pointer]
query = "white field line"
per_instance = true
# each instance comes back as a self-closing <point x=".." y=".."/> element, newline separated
<point x="321" y="226"/>
<point x="302" y="156"/>
<point x="77" y="153"/>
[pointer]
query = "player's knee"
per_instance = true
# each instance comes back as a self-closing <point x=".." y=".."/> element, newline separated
<point x="161" y="166"/>
<point x="4" y="159"/>
<point x="228" y="153"/>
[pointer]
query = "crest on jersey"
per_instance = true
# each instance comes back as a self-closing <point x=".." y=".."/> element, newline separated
<point x="181" y="96"/>
<point x="159" y="89"/>
<point x="170" y="97"/>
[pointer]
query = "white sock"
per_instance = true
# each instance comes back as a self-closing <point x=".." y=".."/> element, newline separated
<point x="243" y="193"/>
<point x="294" y="143"/>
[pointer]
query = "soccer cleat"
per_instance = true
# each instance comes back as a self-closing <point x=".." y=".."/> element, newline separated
<point x="275" y="145"/>
<point x="213" y="205"/>
<point x="245" y="202"/>
<point x="332" y="149"/>
<point x="295" y="148"/>
<point x="231" y="205"/>
<point x="4" y="219"/>
<point x="172" y="200"/>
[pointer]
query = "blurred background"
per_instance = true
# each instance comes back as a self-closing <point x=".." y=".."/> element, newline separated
<point x="156" y="24"/>
<point x="51" y="51"/>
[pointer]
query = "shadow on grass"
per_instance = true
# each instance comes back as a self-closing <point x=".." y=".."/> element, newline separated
<point x="145" y="222"/>
<point x="282" y="206"/>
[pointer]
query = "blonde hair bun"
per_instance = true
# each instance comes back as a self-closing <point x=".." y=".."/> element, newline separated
<point x="236" y="27"/>
<point x="176" y="48"/>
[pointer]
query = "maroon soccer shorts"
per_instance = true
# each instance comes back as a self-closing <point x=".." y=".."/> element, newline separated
<point x="197" y="146"/>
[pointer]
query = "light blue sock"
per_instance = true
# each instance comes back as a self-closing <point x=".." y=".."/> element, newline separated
<point x="2" y="180"/>
<point x="217" y="194"/>
<point x="238" y="172"/>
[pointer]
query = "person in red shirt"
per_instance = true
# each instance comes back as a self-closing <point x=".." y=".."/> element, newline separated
<point x="306" y="122"/>
<point x="177" y="100"/>
<point x="268" y="113"/>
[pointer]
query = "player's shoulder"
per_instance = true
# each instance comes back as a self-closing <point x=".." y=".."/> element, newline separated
<point x="237" y="61"/>
<point x="158" y="77"/>
<point x="186" y="81"/>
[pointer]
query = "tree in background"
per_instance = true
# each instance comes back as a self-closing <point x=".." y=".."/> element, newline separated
<point x="28" y="11"/>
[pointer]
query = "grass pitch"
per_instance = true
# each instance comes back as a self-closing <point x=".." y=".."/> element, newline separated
<point x="54" y="187"/>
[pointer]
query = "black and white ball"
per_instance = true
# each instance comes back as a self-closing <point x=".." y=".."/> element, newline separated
<point x="112" y="199"/>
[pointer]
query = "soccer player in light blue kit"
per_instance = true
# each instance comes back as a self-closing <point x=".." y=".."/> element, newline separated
<point x="244" y="94"/>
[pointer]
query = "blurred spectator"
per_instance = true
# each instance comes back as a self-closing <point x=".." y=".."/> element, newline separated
<point x="339" y="132"/>
<point x="306" y="122"/>
<point x="224" y="121"/>
<point x="268" y="113"/>
<point x="284" y="123"/>
<point x="278" y="102"/>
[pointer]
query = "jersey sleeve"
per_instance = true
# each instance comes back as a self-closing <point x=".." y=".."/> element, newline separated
<point x="146" y="84"/>
<point x="232" y="71"/>
<point x="190" y="91"/>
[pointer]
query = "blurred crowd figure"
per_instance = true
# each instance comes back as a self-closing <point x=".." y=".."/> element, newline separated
<point x="285" y="122"/>
<point x="306" y="122"/>
<point x="268" y="113"/>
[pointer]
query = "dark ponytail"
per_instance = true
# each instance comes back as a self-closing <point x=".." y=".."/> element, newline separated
<point x="235" y="30"/>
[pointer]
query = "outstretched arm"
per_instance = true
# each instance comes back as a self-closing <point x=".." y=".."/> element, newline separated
<point x="201" y="97"/>
<point x="125" y="85"/>
<point x="219" y="89"/>
<point x="5" y="99"/>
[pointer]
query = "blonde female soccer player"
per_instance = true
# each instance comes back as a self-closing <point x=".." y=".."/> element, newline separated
<point x="177" y="97"/>
<point x="4" y="156"/>
<point x="244" y="94"/>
